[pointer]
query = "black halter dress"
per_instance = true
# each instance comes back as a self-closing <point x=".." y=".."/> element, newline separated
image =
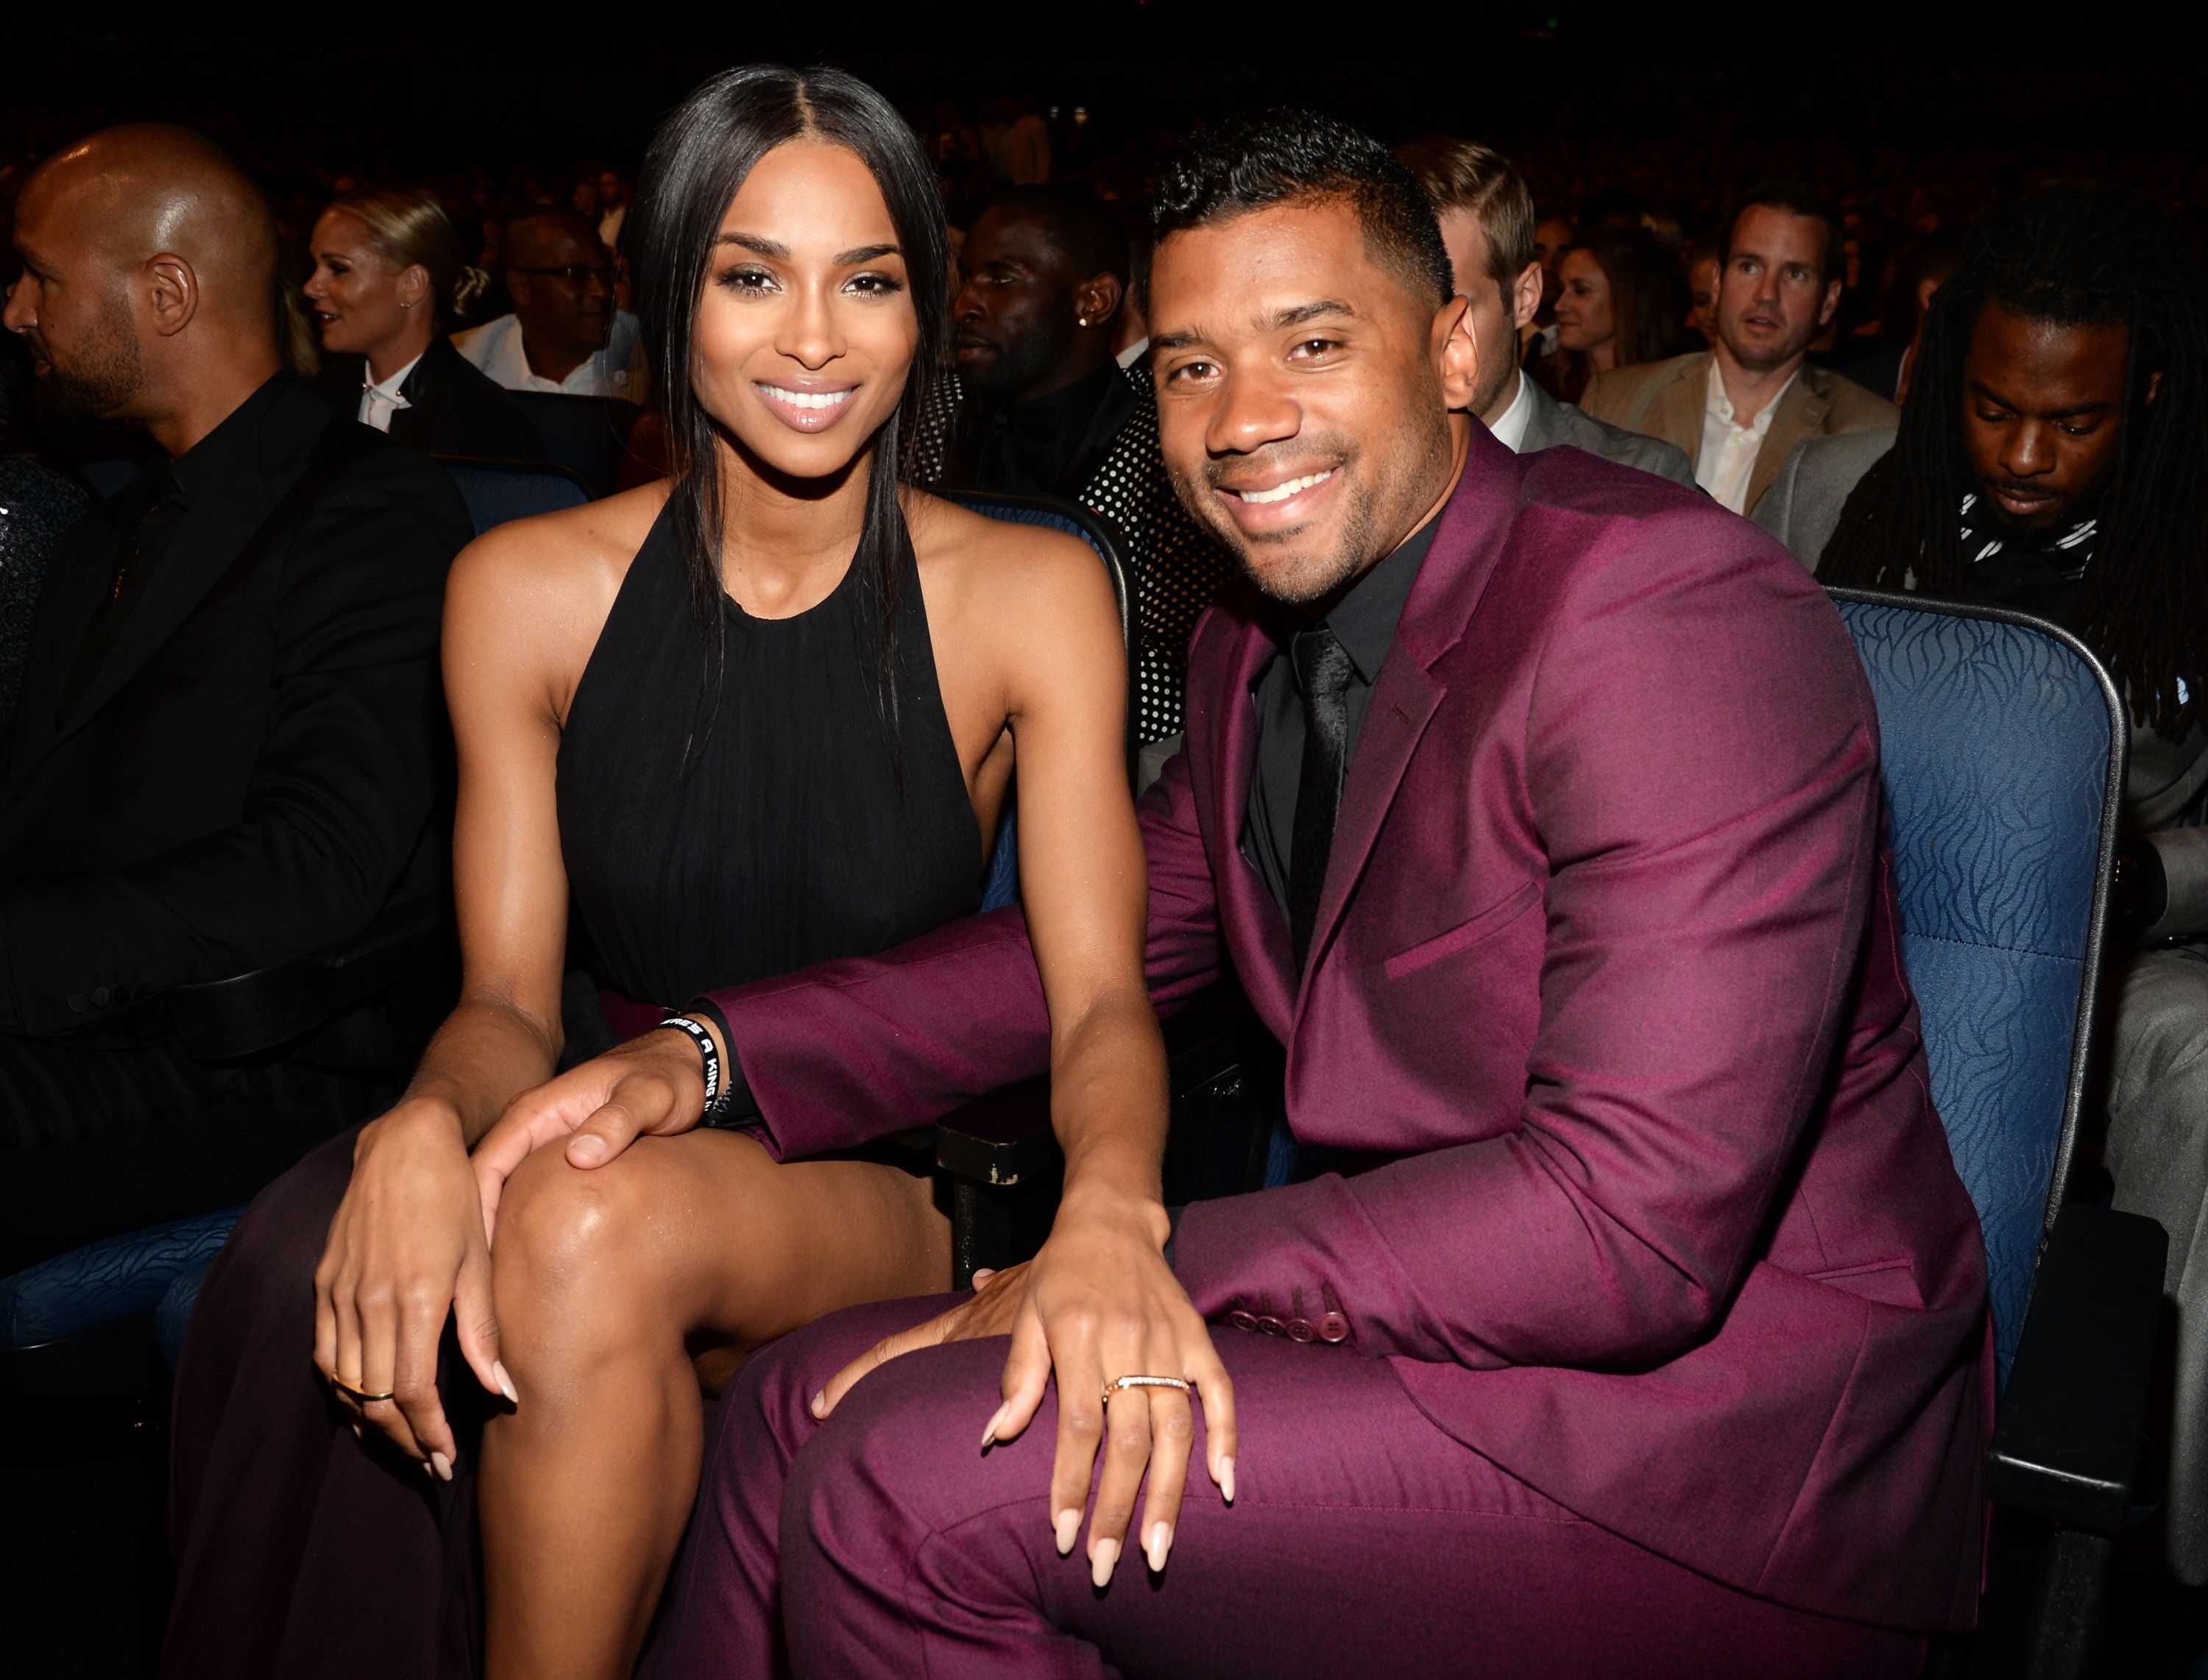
<point x="713" y="837"/>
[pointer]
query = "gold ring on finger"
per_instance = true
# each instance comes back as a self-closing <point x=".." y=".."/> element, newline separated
<point x="1119" y="1382"/>
<point x="360" y="1394"/>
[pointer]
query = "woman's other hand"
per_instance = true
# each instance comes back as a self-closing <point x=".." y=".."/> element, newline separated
<point x="407" y="1246"/>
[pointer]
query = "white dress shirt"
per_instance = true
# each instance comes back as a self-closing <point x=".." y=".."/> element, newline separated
<point x="379" y="399"/>
<point x="1134" y="353"/>
<point x="1729" y="452"/>
<point x="615" y="371"/>
<point x="1510" y="427"/>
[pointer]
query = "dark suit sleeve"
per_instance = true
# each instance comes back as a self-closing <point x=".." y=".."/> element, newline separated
<point x="340" y="793"/>
<point x="1701" y="769"/>
<point x="845" y="1052"/>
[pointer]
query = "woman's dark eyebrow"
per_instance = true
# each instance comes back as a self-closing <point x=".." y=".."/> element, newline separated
<point x="775" y="247"/>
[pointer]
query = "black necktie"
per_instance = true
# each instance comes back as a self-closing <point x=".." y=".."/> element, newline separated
<point x="1323" y="669"/>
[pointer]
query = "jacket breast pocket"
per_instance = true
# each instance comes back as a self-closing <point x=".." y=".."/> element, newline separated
<point x="1486" y="922"/>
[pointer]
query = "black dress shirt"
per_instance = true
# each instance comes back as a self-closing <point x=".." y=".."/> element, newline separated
<point x="1048" y="447"/>
<point x="1364" y="621"/>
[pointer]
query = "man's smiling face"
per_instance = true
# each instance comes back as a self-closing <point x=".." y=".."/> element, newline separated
<point x="1303" y="391"/>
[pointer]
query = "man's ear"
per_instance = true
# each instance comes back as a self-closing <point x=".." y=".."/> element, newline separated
<point x="1526" y="297"/>
<point x="171" y="291"/>
<point x="1096" y="299"/>
<point x="1831" y="303"/>
<point x="517" y="288"/>
<point x="1458" y="348"/>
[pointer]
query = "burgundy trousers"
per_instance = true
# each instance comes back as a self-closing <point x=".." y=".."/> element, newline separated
<point x="1363" y="1542"/>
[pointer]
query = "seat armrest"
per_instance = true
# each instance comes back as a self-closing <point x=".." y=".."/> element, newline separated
<point x="1000" y="1138"/>
<point x="244" y="1015"/>
<point x="2066" y="1444"/>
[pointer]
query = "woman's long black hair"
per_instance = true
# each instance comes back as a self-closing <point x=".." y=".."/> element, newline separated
<point x="698" y="161"/>
<point x="2076" y="255"/>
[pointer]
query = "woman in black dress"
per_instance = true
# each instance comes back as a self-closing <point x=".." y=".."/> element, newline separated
<point x="754" y="717"/>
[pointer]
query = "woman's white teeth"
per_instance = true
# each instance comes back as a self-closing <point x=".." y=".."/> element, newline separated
<point x="1282" y="492"/>
<point x="805" y="398"/>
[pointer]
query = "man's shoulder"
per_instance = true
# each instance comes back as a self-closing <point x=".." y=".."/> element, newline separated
<point x="1580" y="430"/>
<point x="1623" y="396"/>
<point x="477" y="343"/>
<point x="370" y="476"/>
<point x="1848" y="406"/>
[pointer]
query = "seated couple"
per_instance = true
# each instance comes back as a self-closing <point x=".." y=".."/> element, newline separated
<point x="1534" y="801"/>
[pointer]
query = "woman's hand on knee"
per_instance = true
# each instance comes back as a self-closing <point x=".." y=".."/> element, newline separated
<point x="406" y="1248"/>
<point x="652" y="1086"/>
<point x="1097" y="1304"/>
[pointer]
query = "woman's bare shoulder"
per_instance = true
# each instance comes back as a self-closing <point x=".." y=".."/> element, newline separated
<point x="969" y="554"/>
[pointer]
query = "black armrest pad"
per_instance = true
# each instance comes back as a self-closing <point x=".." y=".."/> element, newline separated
<point x="2066" y="1444"/>
<point x="1000" y="1138"/>
<point x="221" y="1020"/>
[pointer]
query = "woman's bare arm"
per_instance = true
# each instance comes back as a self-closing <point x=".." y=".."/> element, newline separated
<point x="408" y="1244"/>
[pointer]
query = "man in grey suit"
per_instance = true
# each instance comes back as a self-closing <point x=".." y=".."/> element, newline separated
<point x="1486" y="216"/>
<point x="1802" y="508"/>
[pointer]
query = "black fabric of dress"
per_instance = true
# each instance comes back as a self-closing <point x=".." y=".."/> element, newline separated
<point x="789" y="836"/>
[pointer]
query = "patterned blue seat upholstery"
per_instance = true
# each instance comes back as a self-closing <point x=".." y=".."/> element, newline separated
<point x="104" y="1281"/>
<point x="2003" y="748"/>
<point x="496" y="491"/>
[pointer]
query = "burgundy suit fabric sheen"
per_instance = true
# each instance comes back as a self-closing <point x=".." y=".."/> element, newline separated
<point x="1608" y="966"/>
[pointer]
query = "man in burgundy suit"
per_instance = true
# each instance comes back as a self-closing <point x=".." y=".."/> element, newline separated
<point x="1535" y="801"/>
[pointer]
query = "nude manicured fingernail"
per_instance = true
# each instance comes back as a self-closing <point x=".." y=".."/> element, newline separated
<point x="1226" y="1479"/>
<point x="1101" y="1560"/>
<point x="1160" y="1545"/>
<point x="442" y="1466"/>
<point x="989" y="1435"/>
<point x="819" y="1404"/>
<point x="587" y="1150"/>
<point x="1068" y="1528"/>
<point x="504" y="1382"/>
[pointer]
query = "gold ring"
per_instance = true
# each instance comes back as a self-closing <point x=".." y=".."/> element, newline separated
<point x="359" y="1394"/>
<point x="1119" y="1382"/>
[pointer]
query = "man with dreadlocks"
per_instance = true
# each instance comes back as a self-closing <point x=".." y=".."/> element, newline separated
<point x="2054" y="458"/>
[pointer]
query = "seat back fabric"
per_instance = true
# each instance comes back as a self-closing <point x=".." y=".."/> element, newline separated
<point x="497" y="491"/>
<point x="2002" y="746"/>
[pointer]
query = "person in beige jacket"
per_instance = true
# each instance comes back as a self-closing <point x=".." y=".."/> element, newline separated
<point x="1738" y="408"/>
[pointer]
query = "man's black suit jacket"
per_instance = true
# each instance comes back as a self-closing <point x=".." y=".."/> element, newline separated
<point x="253" y="770"/>
<point x="453" y="407"/>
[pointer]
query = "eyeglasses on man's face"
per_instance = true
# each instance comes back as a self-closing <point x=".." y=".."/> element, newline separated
<point x="575" y="274"/>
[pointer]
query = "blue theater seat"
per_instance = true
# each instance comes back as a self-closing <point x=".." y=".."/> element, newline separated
<point x="2003" y="744"/>
<point x="496" y="491"/>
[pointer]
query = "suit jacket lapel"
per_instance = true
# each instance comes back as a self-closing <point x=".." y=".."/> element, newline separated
<point x="1800" y="414"/>
<point x="1680" y="407"/>
<point x="83" y="572"/>
<point x="1435" y="620"/>
<point x="1257" y="934"/>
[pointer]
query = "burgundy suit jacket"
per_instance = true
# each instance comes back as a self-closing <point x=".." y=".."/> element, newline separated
<point x="1608" y="962"/>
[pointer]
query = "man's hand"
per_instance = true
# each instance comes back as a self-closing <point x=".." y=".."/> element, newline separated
<point x="652" y="1086"/>
<point x="1097" y="1302"/>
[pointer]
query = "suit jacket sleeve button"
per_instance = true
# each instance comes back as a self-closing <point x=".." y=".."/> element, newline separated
<point x="78" y="1003"/>
<point x="100" y="994"/>
<point x="1302" y="1329"/>
<point x="1242" y="1320"/>
<point x="1334" y="1328"/>
<point x="1272" y="1326"/>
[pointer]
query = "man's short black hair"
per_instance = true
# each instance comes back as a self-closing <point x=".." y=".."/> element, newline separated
<point x="1266" y="158"/>
<point x="1796" y="198"/>
<point x="1078" y="223"/>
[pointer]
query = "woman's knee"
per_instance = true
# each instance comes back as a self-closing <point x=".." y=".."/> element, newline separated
<point x="580" y="1258"/>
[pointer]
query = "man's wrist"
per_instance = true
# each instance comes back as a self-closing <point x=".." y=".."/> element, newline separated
<point x="1100" y="1198"/>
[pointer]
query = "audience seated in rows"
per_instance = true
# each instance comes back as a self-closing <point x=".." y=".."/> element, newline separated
<point x="1617" y="1263"/>
<point x="41" y="498"/>
<point x="1487" y="218"/>
<point x="756" y="719"/>
<point x="226" y="752"/>
<point x="1738" y="408"/>
<point x="2053" y="459"/>
<point x="565" y="335"/>
<point x="1040" y="405"/>
<point x="1620" y="304"/>
<point x="389" y="280"/>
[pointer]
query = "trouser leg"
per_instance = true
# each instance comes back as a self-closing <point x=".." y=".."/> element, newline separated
<point x="2157" y="1153"/>
<point x="300" y="1552"/>
<point x="1364" y="1541"/>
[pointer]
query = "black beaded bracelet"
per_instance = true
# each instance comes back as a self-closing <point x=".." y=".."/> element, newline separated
<point x="704" y="1040"/>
